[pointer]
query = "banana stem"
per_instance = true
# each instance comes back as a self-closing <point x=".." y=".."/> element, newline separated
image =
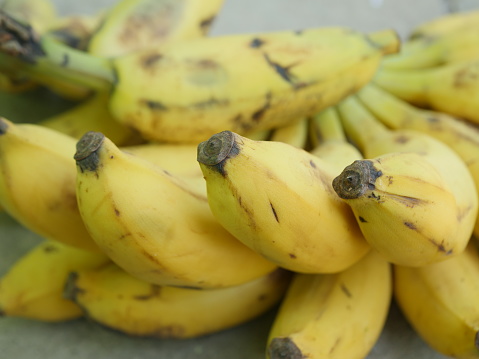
<point x="409" y="85"/>
<point x="327" y="126"/>
<point x="389" y="109"/>
<point x="359" y="124"/>
<point x="41" y="57"/>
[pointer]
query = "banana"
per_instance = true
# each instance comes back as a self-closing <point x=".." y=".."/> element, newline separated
<point x="131" y="25"/>
<point x="37" y="182"/>
<point x="239" y="82"/>
<point x="154" y="225"/>
<point x="451" y="88"/>
<point x="338" y="315"/>
<point x="329" y="140"/>
<point x="445" y="24"/>
<point x="295" y="134"/>
<point x="440" y="302"/>
<point x="430" y="51"/>
<point x="33" y="287"/>
<point x="277" y="199"/>
<point x="414" y="222"/>
<point x="395" y="113"/>
<point x="92" y="114"/>
<point x="113" y="298"/>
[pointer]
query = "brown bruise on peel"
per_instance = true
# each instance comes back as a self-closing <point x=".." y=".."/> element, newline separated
<point x="259" y="114"/>
<point x="50" y="248"/>
<point x="283" y="71"/>
<point x="256" y="43"/>
<point x="274" y="212"/>
<point x="71" y="289"/>
<point x="284" y="348"/>
<point x="152" y="104"/>
<point x="206" y="24"/>
<point x="150" y="60"/>
<point x="346" y="291"/>
<point x="466" y="76"/>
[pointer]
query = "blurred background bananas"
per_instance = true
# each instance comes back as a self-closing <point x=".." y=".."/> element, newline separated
<point x="196" y="182"/>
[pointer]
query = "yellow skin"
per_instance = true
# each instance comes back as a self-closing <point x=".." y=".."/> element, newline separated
<point x="92" y="115"/>
<point x="131" y="25"/>
<point x="113" y="298"/>
<point x="278" y="200"/>
<point x="440" y="303"/>
<point x="295" y="134"/>
<point x="33" y="287"/>
<point x="157" y="226"/>
<point x="378" y="140"/>
<point x="452" y="88"/>
<point x="395" y="113"/>
<point x="204" y="88"/>
<point x="331" y="316"/>
<point x="435" y="50"/>
<point x="37" y="182"/>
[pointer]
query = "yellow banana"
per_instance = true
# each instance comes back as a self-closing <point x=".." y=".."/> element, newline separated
<point x="92" y="115"/>
<point x="240" y="82"/>
<point x="155" y="225"/>
<point x="429" y="51"/>
<point x="131" y="25"/>
<point x="295" y="134"/>
<point x="278" y="200"/>
<point x="395" y="113"/>
<point x="330" y="141"/>
<point x="337" y="315"/>
<point x="440" y="302"/>
<point x="113" y="298"/>
<point x="451" y="88"/>
<point x="445" y="24"/>
<point x="37" y="182"/>
<point x="448" y="177"/>
<point x="33" y="287"/>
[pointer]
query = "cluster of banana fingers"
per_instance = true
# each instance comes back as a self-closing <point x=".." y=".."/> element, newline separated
<point x="201" y="181"/>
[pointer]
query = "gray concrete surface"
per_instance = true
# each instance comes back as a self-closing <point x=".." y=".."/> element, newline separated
<point x="80" y="339"/>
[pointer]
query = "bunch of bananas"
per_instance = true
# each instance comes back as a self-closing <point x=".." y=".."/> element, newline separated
<point x="197" y="182"/>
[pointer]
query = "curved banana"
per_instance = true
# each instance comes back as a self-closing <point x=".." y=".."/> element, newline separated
<point x="278" y="200"/>
<point x="131" y="25"/>
<point x="440" y="302"/>
<point x="445" y="24"/>
<point x="428" y="51"/>
<point x="33" y="287"/>
<point x="451" y="88"/>
<point x="329" y="139"/>
<point x="154" y="225"/>
<point x="330" y="316"/>
<point x="375" y="140"/>
<point x="92" y="114"/>
<point x="37" y="182"/>
<point x="395" y="113"/>
<point x="295" y="134"/>
<point x="239" y="82"/>
<point x="113" y="298"/>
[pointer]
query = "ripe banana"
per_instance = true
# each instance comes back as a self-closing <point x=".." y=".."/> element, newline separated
<point x="440" y="302"/>
<point x="329" y="139"/>
<point x="449" y="176"/>
<point x="131" y="25"/>
<point x="92" y="115"/>
<point x="113" y="298"/>
<point x="337" y="315"/>
<point x="154" y="225"/>
<point x="37" y="182"/>
<point x="33" y="287"/>
<point x="277" y="199"/>
<point x="295" y="134"/>
<point x="451" y="88"/>
<point x="395" y="113"/>
<point x="282" y="76"/>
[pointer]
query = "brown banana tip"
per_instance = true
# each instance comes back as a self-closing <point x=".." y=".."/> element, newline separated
<point x="216" y="148"/>
<point x="86" y="150"/>
<point x="18" y="39"/>
<point x="70" y="290"/>
<point x="356" y="179"/>
<point x="3" y="126"/>
<point x="284" y="348"/>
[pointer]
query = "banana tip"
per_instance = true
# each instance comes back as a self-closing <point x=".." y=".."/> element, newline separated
<point x="284" y="348"/>
<point x="86" y="148"/>
<point x="216" y="148"/>
<point x="356" y="179"/>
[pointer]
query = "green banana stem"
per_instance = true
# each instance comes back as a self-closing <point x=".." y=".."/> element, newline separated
<point x="40" y="57"/>
<point x="360" y="125"/>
